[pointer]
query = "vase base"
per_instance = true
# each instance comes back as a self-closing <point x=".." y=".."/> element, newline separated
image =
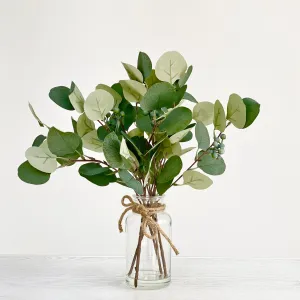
<point x="148" y="280"/>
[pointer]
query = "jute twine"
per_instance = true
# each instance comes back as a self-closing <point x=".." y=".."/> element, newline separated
<point x="147" y="220"/>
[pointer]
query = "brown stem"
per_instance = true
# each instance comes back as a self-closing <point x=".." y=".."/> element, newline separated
<point x="138" y="256"/>
<point x="162" y="255"/>
<point x="156" y="250"/>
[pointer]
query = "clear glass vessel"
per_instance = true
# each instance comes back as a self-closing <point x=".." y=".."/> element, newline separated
<point x="148" y="261"/>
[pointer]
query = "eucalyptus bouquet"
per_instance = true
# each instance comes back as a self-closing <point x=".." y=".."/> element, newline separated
<point x="142" y="125"/>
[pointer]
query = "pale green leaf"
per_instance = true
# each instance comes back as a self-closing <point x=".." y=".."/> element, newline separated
<point x="184" y="78"/>
<point x="236" y="111"/>
<point x="177" y="137"/>
<point x="91" y="141"/>
<point x="41" y="160"/>
<point x="76" y="98"/>
<point x="84" y="125"/>
<point x="210" y="165"/>
<point x="135" y="132"/>
<point x="196" y="180"/>
<point x="219" y="117"/>
<point x="186" y="150"/>
<point x="133" y="72"/>
<point x="98" y="104"/>
<point x="129" y="180"/>
<point x="204" y="112"/>
<point x="202" y="136"/>
<point x="133" y="90"/>
<point x="170" y="66"/>
<point x="116" y="95"/>
<point x="35" y="115"/>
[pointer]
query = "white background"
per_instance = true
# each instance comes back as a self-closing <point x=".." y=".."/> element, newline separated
<point x="248" y="47"/>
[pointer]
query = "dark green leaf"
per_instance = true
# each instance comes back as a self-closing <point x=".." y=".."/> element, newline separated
<point x="202" y="136"/>
<point x="144" y="64"/>
<point x="252" y="111"/>
<point x="151" y="79"/>
<point x="118" y="88"/>
<point x="101" y="180"/>
<point x="189" y="97"/>
<point x="38" y="140"/>
<point x="139" y="143"/>
<point x="63" y="143"/>
<point x="177" y="120"/>
<point x="102" y="133"/>
<point x="60" y="95"/>
<point x="29" y="174"/>
<point x="143" y="122"/>
<point x="163" y="187"/>
<point x="182" y="81"/>
<point x="210" y="165"/>
<point x="92" y="169"/>
<point x="74" y="124"/>
<point x="135" y="148"/>
<point x="187" y="137"/>
<point x="129" y="111"/>
<point x="171" y="169"/>
<point x="111" y="149"/>
<point x="129" y="180"/>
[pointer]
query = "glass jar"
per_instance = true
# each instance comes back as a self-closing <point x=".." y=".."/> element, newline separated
<point x="148" y="260"/>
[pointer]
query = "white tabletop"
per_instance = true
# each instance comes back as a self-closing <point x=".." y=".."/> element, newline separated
<point x="74" y="278"/>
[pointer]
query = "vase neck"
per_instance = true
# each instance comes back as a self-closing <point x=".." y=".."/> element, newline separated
<point x="148" y="200"/>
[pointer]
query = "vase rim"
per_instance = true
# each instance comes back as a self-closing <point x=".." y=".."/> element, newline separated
<point x="156" y="198"/>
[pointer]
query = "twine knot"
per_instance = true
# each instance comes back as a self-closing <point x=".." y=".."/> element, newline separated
<point x="147" y="218"/>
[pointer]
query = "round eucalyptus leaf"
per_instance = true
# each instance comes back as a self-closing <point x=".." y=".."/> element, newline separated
<point x="129" y="180"/>
<point x="38" y="140"/>
<point x="31" y="175"/>
<point x="219" y="117"/>
<point x="76" y="98"/>
<point x="252" y="111"/>
<point x="151" y="79"/>
<point x="236" y="111"/>
<point x="210" y="165"/>
<point x="204" y="112"/>
<point x="184" y="78"/>
<point x="130" y="113"/>
<point x="91" y="141"/>
<point x="115" y="94"/>
<point x="171" y="169"/>
<point x="196" y="180"/>
<point x="133" y="72"/>
<point x="60" y="95"/>
<point x="102" y="132"/>
<point x="92" y="169"/>
<point x="170" y="66"/>
<point x="111" y="149"/>
<point x="98" y="104"/>
<point x="178" y="119"/>
<point x="39" y="159"/>
<point x="133" y="90"/>
<point x="202" y="136"/>
<point x="84" y="125"/>
<point x="144" y="64"/>
<point x="163" y="187"/>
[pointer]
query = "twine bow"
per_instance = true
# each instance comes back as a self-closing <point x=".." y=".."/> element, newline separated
<point x="147" y="220"/>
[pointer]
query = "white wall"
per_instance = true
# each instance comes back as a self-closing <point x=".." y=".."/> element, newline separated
<point x="248" y="47"/>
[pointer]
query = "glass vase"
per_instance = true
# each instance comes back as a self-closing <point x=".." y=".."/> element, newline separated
<point x="148" y="260"/>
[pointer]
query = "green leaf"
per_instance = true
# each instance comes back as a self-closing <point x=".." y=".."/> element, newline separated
<point x="96" y="174"/>
<point x="76" y="98"/>
<point x="189" y="97"/>
<point x="252" y="111"/>
<point x="236" y="111"/>
<point x="130" y="113"/>
<point x="161" y="95"/>
<point x="143" y="122"/>
<point x="177" y="120"/>
<point x="177" y="137"/>
<point x="151" y="79"/>
<point x="170" y="66"/>
<point x="171" y="169"/>
<point x="219" y="117"/>
<point x="98" y="104"/>
<point x="35" y="115"/>
<point x="29" y="174"/>
<point x="187" y="137"/>
<point x="60" y="95"/>
<point x="117" y="97"/>
<point x="74" y="125"/>
<point x="38" y="140"/>
<point x="91" y="141"/>
<point x="63" y="143"/>
<point x="163" y="187"/>
<point x="144" y="64"/>
<point x="202" y="136"/>
<point x="184" y="78"/>
<point x="133" y="90"/>
<point x="41" y="159"/>
<point x="102" y="133"/>
<point x="210" y="165"/>
<point x="196" y="180"/>
<point x="135" y="132"/>
<point x="136" y="143"/>
<point x="204" y="112"/>
<point x="84" y="125"/>
<point x="133" y="72"/>
<point x="92" y="169"/>
<point x="111" y="149"/>
<point x="132" y="183"/>
<point x="118" y="88"/>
